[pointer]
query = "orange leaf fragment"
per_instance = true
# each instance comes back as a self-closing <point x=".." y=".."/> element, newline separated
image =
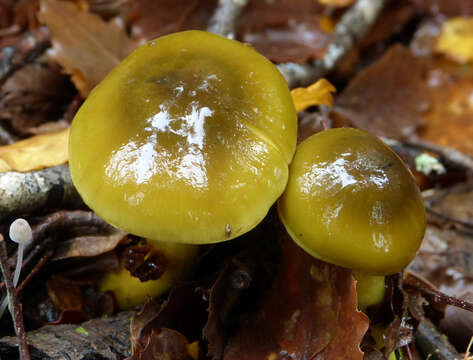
<point x="319" y="93"/>
<point x="310" y="313"/>
<point x="85" y="45"/>
<point x="337" y="3"/>
<point x="456" y="40"/>
<point x="36" y="152"/>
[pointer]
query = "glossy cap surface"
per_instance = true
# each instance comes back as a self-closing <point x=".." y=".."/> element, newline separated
<point x="187" y="140"/>
<point x="351" y="201"/>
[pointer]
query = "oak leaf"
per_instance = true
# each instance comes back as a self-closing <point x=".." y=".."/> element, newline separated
<point x="85" y="45"/>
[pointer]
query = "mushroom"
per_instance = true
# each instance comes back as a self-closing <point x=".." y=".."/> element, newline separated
<point x="188" y="140"/>
<point x="351" y="201"/>
<point x="21" y="233"/>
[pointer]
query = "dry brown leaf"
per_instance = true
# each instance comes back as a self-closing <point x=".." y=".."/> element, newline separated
<point x="85" y="45"/>
<point x="310" y="313"/>
<point x="285" y="30"/>
<point x="387" y="98"/>
<point x="158" y="18"/>
<point x="319" y="93"/>
<point x="88" y="246"/>
<point x="456" y="40"/>
<point x="35" y="153"/>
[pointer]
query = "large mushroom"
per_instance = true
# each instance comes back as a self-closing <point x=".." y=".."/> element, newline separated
<point x="188" y="140"/>
<point x="352" y="202"/>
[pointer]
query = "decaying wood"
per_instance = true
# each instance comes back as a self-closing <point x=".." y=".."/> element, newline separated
<point x="433" y="344"/>
<point x="23" y="193"/>
<point x="13" y="303"/>
<point x="224" y="19"/>
<point x="351" y="28"/>
<point x="103" y="338"/>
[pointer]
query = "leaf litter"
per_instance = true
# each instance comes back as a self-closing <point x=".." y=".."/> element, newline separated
<point x="400" y="95"/>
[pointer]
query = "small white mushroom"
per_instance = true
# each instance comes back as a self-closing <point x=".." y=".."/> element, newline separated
<point x="20" y="232"/>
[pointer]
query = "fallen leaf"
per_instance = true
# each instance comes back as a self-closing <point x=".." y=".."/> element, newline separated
<point x="319" y="93"/>
<point x="35" y="153"/>
<point x="34" y="94"/>
<point x="66" y="295"/>
<point x="387" y="98"/>
<point x="183" y="303"/>
<point x="164" y="344"/>
<point x="158" y="18"/>
<point x="85" y="45"/>
<point x="285" y="30"/>
<point x="88" y="246"/>
<point x="310" y="312"/>
<point x="448" y="121"/>
<point x="336" y="3"/>
<point x="456" y="40"/>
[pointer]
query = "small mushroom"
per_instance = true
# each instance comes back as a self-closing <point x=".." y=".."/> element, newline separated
<point x="188" y="140"/>
<point x="21" y="233"/>
<point x="351" y="201"/>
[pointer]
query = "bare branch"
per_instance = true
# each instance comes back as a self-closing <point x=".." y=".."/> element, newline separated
<point x="23" y="193"/>
<point x="30" y="45"/>
<point x="224" y="19"/>
<point x="13" y="303"/>
<point x="351" y="28"/>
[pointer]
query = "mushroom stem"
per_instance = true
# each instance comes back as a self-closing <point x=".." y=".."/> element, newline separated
<point x="370" y="289"/>
<point x="130" y="291"/>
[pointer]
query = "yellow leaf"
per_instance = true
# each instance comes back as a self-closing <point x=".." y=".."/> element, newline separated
<point x="336" y="3"/>
<point x="456" y="40"/>
<point x="318" y="93"/>
<point x="36" y="152"/>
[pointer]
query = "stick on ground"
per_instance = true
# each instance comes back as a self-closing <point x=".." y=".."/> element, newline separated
<point x="351" y="28"/>
<point x="13" y="304"/>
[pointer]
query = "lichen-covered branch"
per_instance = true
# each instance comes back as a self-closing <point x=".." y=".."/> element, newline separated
<point x="23" y="193"/>
<point x="224" y="19"/>
<point x="103" y="338"/>
<point x="351" y="28"/>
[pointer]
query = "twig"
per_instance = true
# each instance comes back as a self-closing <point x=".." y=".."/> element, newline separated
<point x="13" y="303"/>
<point x="351" y="28"/>
<point x="431" y="342"/>
<point x="5" y="137"/>
<point x="39" y="265"/>
<point x="225" y="16"/>
<point x="467" y="224"/>
<point x="23" y="193"/>
<point x="449" y="155"/>
<point x="28" y="46"/>
<point x="413" y="281"/>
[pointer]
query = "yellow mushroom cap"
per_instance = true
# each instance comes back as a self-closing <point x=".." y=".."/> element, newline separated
<point x="187" y="140"/>
<point x="351" y="201"/>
